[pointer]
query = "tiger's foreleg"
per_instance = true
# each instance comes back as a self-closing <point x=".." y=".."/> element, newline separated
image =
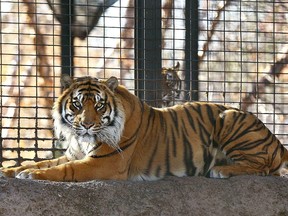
<point x="78" y="170"/>
<point x="13" y="172"/>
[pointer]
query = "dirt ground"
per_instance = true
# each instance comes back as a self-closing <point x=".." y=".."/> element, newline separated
<point x="244" y="195"/>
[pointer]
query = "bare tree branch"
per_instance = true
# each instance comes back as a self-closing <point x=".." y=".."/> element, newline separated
<point x="127" y="44"/>
<point x="42" y="65"/>
<point x="167" y="18"/>
<point x="215" y="23"/>
<point x="258" y="88"/>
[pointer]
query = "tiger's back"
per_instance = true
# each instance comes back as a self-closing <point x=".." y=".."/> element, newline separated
<point x="205" y="139"/>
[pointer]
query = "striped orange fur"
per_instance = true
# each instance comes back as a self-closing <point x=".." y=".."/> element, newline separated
<point x="111" y="134"/>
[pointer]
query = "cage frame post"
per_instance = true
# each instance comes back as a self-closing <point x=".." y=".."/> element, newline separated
<point x="67" y="38"/>
<point x="148" y="53"/>
<point x="191" y="50"/>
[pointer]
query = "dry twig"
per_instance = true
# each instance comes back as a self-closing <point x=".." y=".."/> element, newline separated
<point x="258" y="88"/>
<point x="42" y="65"/>
<point x="214" y="24"/>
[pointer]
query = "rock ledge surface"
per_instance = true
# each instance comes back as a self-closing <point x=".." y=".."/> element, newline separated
<point x="244" y="195"/>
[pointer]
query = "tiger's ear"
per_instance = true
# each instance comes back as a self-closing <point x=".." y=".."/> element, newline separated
<point x="112" y="83"/>
<point x="163" y="70"/>
<point x="177" y="66"/>
<point x="66" y="81"/>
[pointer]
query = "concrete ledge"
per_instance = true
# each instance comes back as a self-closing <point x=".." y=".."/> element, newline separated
<point x="245" y="195"/>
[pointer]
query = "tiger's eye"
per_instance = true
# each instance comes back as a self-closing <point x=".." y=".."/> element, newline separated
<point x="77" y="104"/>
<point x="99" y="106"/>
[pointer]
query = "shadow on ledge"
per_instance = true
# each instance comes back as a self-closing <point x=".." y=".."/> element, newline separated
<point x="244" y="195"/>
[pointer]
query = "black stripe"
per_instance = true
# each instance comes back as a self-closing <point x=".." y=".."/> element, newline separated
<point x="167" y="160"/>
<point x="190" y="118"/>
<point x="199" y="108"/>
<point x="188" y="157"/>
<point x="83" y="86"/>
<point x="150" y="117"/>
<point x="210" y="114"/>
<point x="95" y="147"/>
<point x="204" y="134"/>
<point x="207" y="157"/>
<point x="222" y="108"/>
<point x="274" y="154"/>
<point x="174" y="144"/>
<point x="113" y="152"/>
<point x="162" y="122"/>
<point x="150" y="163"/>
<point x="174" y="117"/>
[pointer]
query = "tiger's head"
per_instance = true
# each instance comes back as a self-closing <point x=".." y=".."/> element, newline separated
<point x="170" y="75"/>
<point x="88" y="111"/>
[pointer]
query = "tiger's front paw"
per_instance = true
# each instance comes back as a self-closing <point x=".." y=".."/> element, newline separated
<point x="283" y="172"/>
<point x="28" y="174"/>
<point x="9" y="172"/>
<point x="35" y="174"/>
<point x="215" y="172"/>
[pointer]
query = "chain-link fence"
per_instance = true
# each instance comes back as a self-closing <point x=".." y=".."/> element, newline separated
<point x="229" y="52"/>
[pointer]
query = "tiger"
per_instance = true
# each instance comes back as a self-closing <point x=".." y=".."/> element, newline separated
<point x="172" y="85"/>
<point x="113" y="135"/>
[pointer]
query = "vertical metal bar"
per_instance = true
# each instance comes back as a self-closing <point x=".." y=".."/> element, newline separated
<point x="188" y="89"/>
<point x="148" y="50"/>
<point x="67" y="39"/>
<point x="191" y="50"/>
<point x="153" y="52"/>
<point x="139" y="48"/>
<point x="1" y="93"/>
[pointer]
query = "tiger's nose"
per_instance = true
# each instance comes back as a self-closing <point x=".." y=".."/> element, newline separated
<point x="87" y="125"/>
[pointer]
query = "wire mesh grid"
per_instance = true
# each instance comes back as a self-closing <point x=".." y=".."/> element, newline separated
<point x="229" y="52"/>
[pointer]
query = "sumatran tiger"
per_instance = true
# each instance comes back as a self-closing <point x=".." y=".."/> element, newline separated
<point x="171" y="83"/>
<point x="113" y="135"/>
